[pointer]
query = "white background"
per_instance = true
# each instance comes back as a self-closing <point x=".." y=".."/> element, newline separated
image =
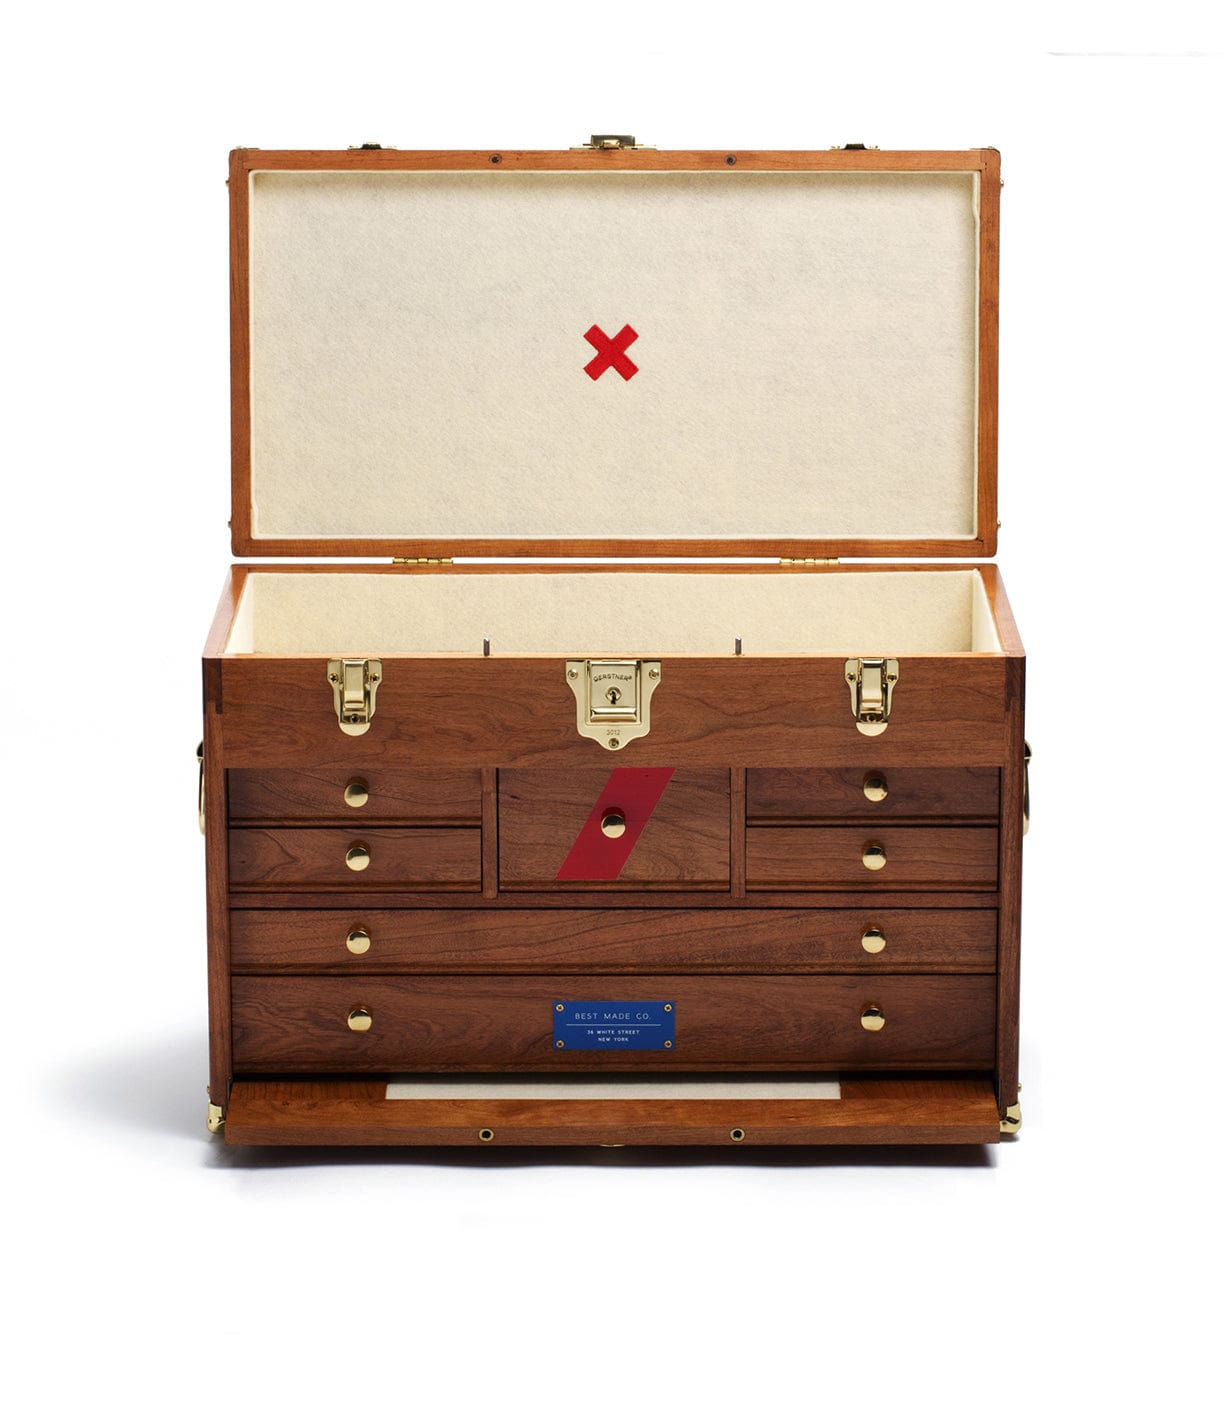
<point x="154" y="1270"/>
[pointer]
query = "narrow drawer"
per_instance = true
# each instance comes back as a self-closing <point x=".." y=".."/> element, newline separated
<point x="862" y="857"/>
<point x="628" y="940"/>
<point x="431" y="797"/>
<point x="355" y="858"/>
<point x="628" y="827"/>
<point x="966" y="793"/>
<point x="285" y="1024"/>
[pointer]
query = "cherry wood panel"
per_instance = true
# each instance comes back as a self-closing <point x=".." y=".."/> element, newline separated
<point x="914" y="1109"/>
<point x="732" y="162"/>
<point x="809" y="793"/>
<point x="398" y="858"/>
<point x="635" y="941"/>
<point x="505" y="1023"/>
<point x="916" y="856"/>
<point x="724" y="712"/>
<point x="216" y="866"/>
<point x="441" y="797"/>
<point x="1011" y="861"/>
<point x="686" y="839"/>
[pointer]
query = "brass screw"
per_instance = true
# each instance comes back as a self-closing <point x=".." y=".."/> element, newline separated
<point x="667" y="1006"/>
<point x="614" y="742"/>
<point x="654" y="672"/>
<point x="667" y="1045"/>
<point x="560" y="1045"/>
<point x="485" y="1135"/>
<point x="560" y="1006"/>
<point x="737" y="1135"/>
<point x="573" y="673"/>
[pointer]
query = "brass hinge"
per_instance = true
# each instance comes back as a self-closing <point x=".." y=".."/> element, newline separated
<point x="421" y="560"/>
<point x="1028" y="756"/>
<point x="871" y="688"/>
<point x="354" y="684"/>
<point x="613" y="697"/>
<point x="809" y="561"/>
<point x="613" y="142"/>
<point x="855" y="147"/>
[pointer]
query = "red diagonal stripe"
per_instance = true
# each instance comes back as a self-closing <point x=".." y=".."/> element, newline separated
<point x="633" y="793"/>
<point x="610" y="353"/>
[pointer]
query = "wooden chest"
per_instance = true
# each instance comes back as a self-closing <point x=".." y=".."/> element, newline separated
<point x="718" y="846"/>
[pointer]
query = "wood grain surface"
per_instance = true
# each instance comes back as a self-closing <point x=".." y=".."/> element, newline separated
<point x="917" y="856"/>
<point x="686" y="840"/>
<point x="637" y="941"/>
<point x="407" y="858"/>
<point x="505" y="1023"/>
<point x="936" y="1109"/>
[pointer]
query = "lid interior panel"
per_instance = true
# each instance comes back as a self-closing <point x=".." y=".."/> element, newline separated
<point x="807" y="357"/>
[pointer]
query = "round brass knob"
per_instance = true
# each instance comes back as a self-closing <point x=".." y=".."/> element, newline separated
<point x="875" y="787"/>
<point x="873" y="940"/>
<point x="874" y="856"/>
<point x="356" y="793"/>
<point x="359" y="1019"/>
<point x="613" y="824"/>
<point x="872" y="1018"/>
<point x="358" y="941"/>
<point x="357" y="857"/>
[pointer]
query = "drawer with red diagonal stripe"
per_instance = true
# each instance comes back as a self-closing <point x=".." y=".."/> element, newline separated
<point x="638" y="827"/>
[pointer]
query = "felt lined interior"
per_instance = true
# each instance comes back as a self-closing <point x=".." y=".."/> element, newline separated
<point x="806" y="353"/>
<point x="624" y="1087"/>
<point x="631" y="614"/>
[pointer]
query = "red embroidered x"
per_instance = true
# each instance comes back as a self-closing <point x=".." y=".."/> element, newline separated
<point x="610" y="353"/>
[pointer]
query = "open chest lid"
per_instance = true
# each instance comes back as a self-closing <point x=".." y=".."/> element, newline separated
<point x="614" y="352"/>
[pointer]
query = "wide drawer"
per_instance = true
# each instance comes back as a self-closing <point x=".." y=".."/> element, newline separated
<point x="347" y="941"/>
<point x="862" y="857"/>
<point x="506" y="1023"/>
<point x="628" y="827"/>
<point x="967" y="793"/>
<point x="355" y="859"/>
<point x="431" y="797"/>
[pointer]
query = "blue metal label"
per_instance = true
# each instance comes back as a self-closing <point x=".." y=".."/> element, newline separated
<point x="614" y="1026"/>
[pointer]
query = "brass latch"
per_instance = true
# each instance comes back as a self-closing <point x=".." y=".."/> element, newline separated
<point x="1028" y="756"/>
<point x="871" y="688"/>
<point x="200" y="800"/>
<point x="613" y="696"/>
<point x="354" y="682"/>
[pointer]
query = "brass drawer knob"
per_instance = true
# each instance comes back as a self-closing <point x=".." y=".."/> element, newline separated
<point x="356" y="793"/>
<point x="872" y="1018"/>
<point x="359" y="1019"/>
<point x="613" y="824"/>
<point x="358" y="941"/>
<point x="357" y="857"/>
<point x="875" y="786"/>
<point x="873" y="941"/>
<point x="874" y="856"/>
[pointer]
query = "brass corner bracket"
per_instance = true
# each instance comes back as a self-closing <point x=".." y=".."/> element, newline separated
<point x="216" y="1119"/>
<point x="1010" y="1123"/>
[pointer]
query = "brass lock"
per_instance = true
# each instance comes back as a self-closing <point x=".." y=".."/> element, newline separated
<point x="613" y="824"/>
<point x="872" y="1018"/>
<point x="874" y="857"/>
<point x="357" y="857"/>
<point x="359" y="1019"/>
<point x="358" y="941"/>
<point x="356" y="794"/>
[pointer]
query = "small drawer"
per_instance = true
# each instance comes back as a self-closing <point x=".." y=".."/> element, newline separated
<point x="354" y="858"/>
<point x="629" y="827"/>
<point x="862" y="857"/>
<point x="385" y="1024"/>
<point x="421" y="797"/>
<point x="620" y="940"/>
<point x="965" y="793"/>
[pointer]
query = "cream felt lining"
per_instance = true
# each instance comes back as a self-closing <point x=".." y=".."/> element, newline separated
<point x="632" y="614"/>
<point x="807" y="352"/>
<point x="725" y="1087"/>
